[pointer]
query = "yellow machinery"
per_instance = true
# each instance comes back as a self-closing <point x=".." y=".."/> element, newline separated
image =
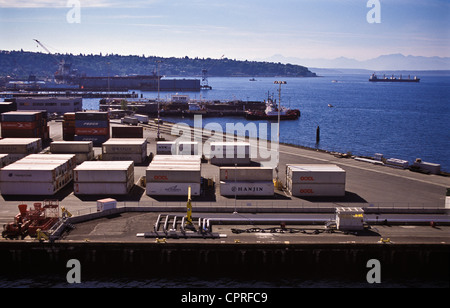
<point x="189" y="223"/>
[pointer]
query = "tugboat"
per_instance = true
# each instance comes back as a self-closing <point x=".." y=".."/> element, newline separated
<point x="271" y="112"/>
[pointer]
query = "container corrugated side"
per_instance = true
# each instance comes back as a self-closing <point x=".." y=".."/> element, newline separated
<point x="98" y="188"/>
<point x="29" y="188"/>
<point x="247" y="188"/>
<point x="64" y="147"/>
<point x="246" y="173"/>
<point x="316" y="174"/>
<point x="136" y="158"/>
<point x="104" y="171"/>
<point x="172" y="189"/>
<point x="134" y="146"/>
<point x="317" y="190"/>
<point x="230" y="161"/>
<point x="20" y="145"/>
<point x="173" y="175"/>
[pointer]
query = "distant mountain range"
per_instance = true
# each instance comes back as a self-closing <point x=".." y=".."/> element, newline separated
<point x="390" y="62"/>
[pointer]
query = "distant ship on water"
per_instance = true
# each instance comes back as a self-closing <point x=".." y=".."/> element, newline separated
<point x="272" y="113"/>
<point x="374" y="78"/>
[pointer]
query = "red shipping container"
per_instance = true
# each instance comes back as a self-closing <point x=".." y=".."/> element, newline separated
<point x="18" y="125"/>
<point x="86" y="131"/>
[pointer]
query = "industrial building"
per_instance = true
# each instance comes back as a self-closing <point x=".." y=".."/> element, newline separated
<point x="50" y="104"/>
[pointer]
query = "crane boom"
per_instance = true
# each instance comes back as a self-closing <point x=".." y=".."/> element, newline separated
<point x="46" y="49"/>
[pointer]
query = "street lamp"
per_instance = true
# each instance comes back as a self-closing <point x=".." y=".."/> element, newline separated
<point x="158" y="136"/>
<point x="279" y="118"/>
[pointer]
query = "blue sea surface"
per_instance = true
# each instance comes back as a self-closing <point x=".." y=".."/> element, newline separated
<point x="400" y="120"/>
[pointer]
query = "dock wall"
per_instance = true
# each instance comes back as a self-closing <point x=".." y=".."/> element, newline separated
<point x="415" y="261"/>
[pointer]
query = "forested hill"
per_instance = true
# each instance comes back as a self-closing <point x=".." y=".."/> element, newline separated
<point x="20" y="64"/>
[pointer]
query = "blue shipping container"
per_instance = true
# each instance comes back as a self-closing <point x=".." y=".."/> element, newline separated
<point x="91" y="124"/>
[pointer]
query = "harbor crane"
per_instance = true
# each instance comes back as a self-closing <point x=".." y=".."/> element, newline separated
<point x="64" y="74"/>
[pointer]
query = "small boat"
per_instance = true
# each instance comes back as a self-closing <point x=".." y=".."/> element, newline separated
<point x="331" y="106"/>
<point x="271" y="112"/>
<point x="252" y="79"/>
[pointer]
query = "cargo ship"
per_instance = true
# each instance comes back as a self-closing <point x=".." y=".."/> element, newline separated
<point x="272" y="112"/>
<point x="374" y="78"/>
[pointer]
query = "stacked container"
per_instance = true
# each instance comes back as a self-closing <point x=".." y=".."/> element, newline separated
<point x="230" y="153"/>
<point x="92" y="126"/>
<point x="83" y="150"/>
<point x="69" y="126"/>
<point x="246" y="181"/>
<point x="125" y="149"/>
<point x="25" y="124"/>
<point x="177" y="148"/>
<point x="18" y="148"/>
<point x="37" y="174"/>
<point x="104" y="178"/>
<point x="315" y="180"/>
<point x="173" y="175"/>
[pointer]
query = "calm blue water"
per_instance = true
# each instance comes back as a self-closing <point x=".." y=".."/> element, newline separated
<point x="400" y="120"/>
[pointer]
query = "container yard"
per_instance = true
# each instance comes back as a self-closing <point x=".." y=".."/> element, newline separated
<point x="104" y="178"/>
<point x="125" y="149"/>
<point x="37" y="174"/>
<point x="315" y="180"/>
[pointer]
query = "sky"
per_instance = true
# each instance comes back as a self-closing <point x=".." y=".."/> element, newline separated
<point x="236" y="29"/>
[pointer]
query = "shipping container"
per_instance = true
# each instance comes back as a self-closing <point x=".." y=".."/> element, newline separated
<point x="104" y="171"/>
<point x="29" y="188"/>
<point x="315" y="174"/>
<point x="176" y="158"/>
<point x="173" y="174"/>
<point x="166" y="148"/>
<point x="4" y="160"/>
<point x="85" y="131"/>
<point x="106" y="204"/>
<point x="172" y="189"/>
<point x="246" y="173"/>
<point x="99" y="188"/>
<point x="316" y="190"/>
<point x="397" y="163"/>
<point x="428" y="167"/>
<point x="71" y="147"/>
<point x="187" y="148"/>
<point x="131" y="146"/>
<point x="21" y="116"/>
<point x="96" y="140"/>
<point x="20" y="145"/>
<point x="127" y="132"/>
<point x="349" y="218"/>
<point x="230" y="149"/>
<point x="18" y="125"/>
<point x="136" y="158"/>
<point x="247" y="188"/>
<point x="91" y="124"/>
<point x="130" y="121"/>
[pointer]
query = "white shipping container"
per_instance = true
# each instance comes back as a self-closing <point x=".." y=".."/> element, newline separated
<point x="173" y="174"/>
<point x="104" y="171"/>
<point x="172" y="189"/>
<point x="187" y="148"/>
<point x="316" y="190"/>
<point x="134" y="146"/>
<point x="20" y="145"/>
<point x="246" y="173"/>
<point x="397" y="163"/>
<point x="316" y="174"/>
<point x="30" y="173"/>
<point x="136" y="158"/>
<point x="248" y="188"/>
<point x="230" y="150"/>
<point x="98" y="188"/>
<point x="29" y="188"/>
<point x="73" y="147"/>
<point x="349" y="218"/>
<point x="106" y="204"/>
<point x="166" y="148"/>
<point x="165" y="158"/>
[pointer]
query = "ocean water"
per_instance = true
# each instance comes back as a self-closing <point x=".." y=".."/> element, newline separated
<point x="400" y="120"/>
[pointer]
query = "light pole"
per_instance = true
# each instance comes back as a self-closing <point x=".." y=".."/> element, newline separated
<point x="235" y="189"/>
<point x="279" y="119"/>
<point x="158" y="136"/>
